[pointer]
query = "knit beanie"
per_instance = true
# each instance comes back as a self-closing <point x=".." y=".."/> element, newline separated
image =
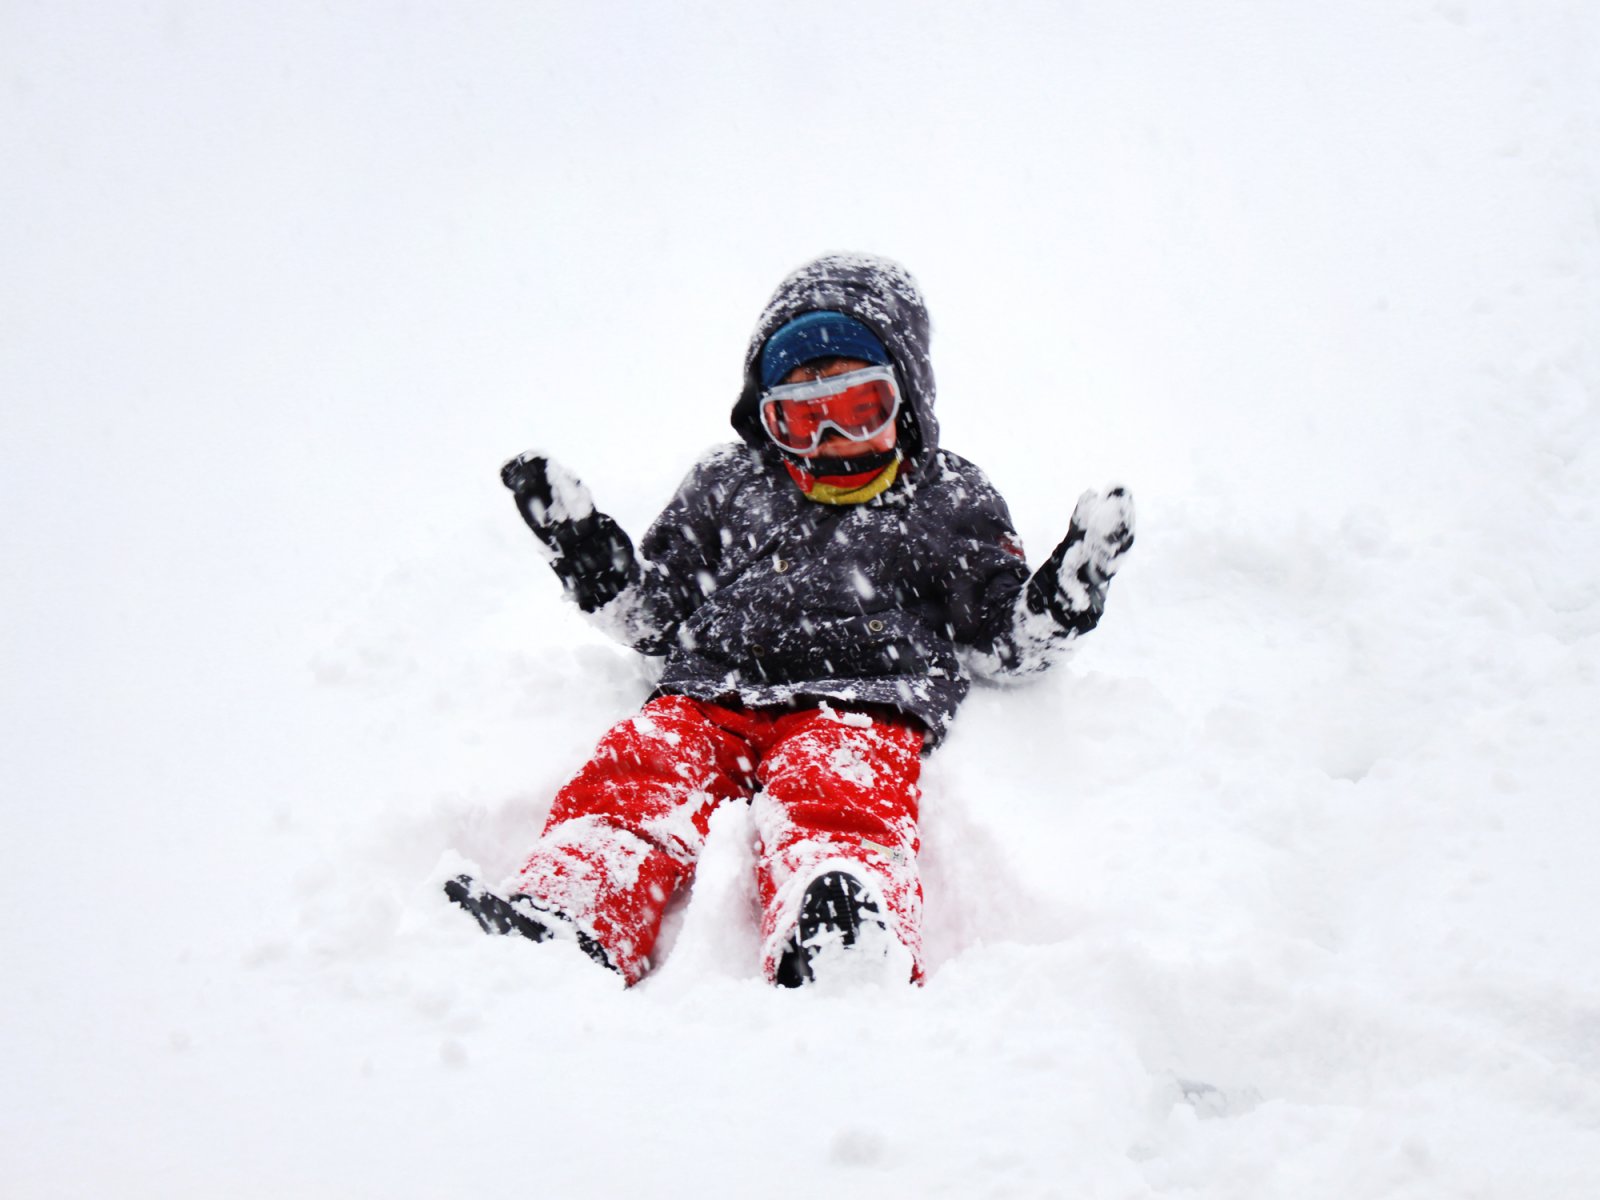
<point x="814" y="335"/>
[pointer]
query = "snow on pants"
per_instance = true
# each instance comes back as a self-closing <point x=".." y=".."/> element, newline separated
<point x="838" y="789"/>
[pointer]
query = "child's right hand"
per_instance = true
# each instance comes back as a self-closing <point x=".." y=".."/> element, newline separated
<point x="526" y="475"/>
<point x="587" y="549"/>
<point x="546" y="492"/>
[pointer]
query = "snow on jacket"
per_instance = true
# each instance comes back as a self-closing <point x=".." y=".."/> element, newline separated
<point x="758" y="596"/>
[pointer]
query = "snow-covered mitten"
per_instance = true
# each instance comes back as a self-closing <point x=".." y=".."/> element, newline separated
<point x="587" y="549"/>
<point x="1071" y="585"/>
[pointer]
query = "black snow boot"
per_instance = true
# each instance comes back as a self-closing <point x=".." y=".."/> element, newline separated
<point x="835" y="909"/>
<point x="519" y="914"/>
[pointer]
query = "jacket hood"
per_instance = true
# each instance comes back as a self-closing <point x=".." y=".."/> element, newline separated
<point x="881" y="294"/>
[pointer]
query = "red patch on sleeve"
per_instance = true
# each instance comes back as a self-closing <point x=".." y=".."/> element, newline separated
<point x="1012" y="544"/>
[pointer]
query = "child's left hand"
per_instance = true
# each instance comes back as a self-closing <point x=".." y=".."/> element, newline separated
<point x="1104" y="520"/>
<point x="1071" y="585"/>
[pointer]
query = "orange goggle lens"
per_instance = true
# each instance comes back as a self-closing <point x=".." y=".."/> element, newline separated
<point x="858" y="405"/>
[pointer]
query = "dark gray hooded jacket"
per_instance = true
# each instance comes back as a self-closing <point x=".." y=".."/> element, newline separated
<point x="759" y="596"/>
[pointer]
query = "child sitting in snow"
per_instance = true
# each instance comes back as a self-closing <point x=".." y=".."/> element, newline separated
<point x="822" y="591"/>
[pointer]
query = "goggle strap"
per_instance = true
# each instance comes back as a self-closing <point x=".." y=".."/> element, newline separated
<point x="831" y="385"/>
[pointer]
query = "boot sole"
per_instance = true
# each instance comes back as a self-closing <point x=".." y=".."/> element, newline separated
<point x="496" y="914"/>
<point x="836" y="906"/>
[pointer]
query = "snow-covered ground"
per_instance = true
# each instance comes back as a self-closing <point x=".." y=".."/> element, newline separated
<point x="1288" y="886"/>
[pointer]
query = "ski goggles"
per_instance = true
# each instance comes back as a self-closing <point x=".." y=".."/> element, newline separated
<point x="858" y="405"/>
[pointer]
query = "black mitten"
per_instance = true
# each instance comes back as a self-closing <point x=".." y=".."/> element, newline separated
<point x="587" y="549"/>
<point x="1071" y="585"/>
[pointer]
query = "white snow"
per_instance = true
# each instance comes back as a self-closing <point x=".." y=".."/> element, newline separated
<point x="1284" y="885"/>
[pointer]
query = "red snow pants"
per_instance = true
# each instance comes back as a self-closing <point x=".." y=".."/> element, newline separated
<point x="838" y="789"/>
